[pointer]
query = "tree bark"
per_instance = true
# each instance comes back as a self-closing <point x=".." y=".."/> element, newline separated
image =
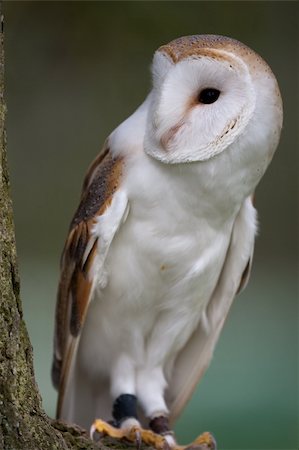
<point x="23" y="423"/>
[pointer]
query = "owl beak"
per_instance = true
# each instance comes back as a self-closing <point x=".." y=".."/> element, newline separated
<point x="169" y="136"/>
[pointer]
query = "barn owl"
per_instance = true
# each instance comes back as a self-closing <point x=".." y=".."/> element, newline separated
<point x="162" y="240"/>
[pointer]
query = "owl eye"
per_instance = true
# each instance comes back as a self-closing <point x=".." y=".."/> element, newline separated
<point x="208" y="95"/>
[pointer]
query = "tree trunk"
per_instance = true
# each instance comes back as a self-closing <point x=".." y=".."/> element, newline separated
<point x="23" y="423"/>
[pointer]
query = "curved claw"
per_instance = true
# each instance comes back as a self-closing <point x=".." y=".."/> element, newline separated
<point x="92" y="430"/>
<point x="138" y="439"/>
<point x="94" y="433"/>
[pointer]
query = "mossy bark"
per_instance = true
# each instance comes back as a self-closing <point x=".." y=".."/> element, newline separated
<point x="23" y="423"/>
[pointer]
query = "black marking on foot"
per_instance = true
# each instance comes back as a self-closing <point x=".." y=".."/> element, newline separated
<point x="124" y="407"/>
<point x="160" y="425"/>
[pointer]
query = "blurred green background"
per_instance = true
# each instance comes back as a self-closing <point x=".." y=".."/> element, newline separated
<point x="75" y="70"/>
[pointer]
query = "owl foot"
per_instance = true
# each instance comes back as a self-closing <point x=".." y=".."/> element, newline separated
<point x="134" y="434"/>
<point x="203" y="442"/>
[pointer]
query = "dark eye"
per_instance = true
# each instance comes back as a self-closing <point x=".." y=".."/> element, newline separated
<point x="208" y="95"/>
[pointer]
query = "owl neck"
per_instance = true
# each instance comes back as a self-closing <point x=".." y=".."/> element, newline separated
<point x="218" y="186"/>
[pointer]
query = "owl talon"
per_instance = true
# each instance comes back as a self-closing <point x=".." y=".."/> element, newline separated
<point x="139" y="435"/>
<point x="133" y="434"/>
<point x="138" y="439"/>
<point x="105" y="429"/>
<point x="92" y="431"/>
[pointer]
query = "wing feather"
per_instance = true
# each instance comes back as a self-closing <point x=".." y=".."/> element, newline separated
<point x="195" y="357"/>
<point x="81" y="249"/>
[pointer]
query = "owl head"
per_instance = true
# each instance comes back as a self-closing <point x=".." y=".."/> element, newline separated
<point x="211" y="94"/>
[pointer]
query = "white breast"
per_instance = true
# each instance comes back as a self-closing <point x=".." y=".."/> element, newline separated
<point x="162" y="268"/>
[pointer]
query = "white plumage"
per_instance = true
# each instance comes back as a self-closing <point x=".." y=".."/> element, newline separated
<point x="169" y="234"/>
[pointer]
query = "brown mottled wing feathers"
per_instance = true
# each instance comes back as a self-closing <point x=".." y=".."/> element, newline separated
<point x="101" y="182"/>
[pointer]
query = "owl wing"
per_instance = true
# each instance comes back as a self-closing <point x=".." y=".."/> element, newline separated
<point x="195" y="357"/>
<point x="101" y="211"/>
